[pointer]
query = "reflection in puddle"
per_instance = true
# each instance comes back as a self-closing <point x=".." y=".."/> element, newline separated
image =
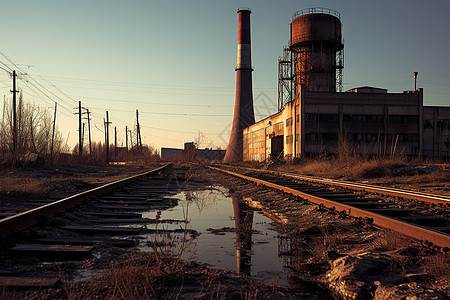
<point x="243" y="219"/>
<point x="242" y="240"/>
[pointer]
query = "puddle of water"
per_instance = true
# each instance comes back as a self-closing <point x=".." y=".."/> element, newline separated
<point x="247" y="243"/>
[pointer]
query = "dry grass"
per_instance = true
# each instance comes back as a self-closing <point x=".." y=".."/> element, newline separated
<point x="141" y="277"/>
<point x="437" y="265"/>
<point x="328" y="241"/>
<point x="390" y="241"/>
<point x="40" y="182"/>
<point x="23" y="186"/>
<point x="133" y="278"/>
<point x="169" y="248"/>
<point x="353" y="168"/>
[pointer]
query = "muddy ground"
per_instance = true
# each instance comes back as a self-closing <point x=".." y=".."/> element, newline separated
<point x="329" y="250"/>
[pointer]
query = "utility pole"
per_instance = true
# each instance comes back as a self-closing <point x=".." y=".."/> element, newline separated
<point x="104" y="126"/>
<point x="14" y="113"/>
<point x="138" y="133"/>
<point x="107" y="136"/>
<point x="115" y="141"/>
<point x="87" y="112"/>
<point x="53" y="135"/>
<point x="80" y="145"/>
<point x="126" y="137"/>
<point x="131" y="140"/>
<point x="82" y="139"/>
<point x="89" y="128"/>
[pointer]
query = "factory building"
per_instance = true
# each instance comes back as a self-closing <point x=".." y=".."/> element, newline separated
<point x="315" y="117"/>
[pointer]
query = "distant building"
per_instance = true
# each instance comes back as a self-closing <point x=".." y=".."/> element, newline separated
<point x="191" y="153"/>
<point x="171" y="154"/>
<point x="368" y="89"/>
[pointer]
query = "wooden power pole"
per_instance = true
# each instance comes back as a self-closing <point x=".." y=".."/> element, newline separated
<point x="88" y="118"/>
<point x="115" y="142"/>
<point x="107" y="136"/>
<point x="80" y="134"/>
<point x="126" y="137"/>
<point x="138" y="132"/>
<point x="14" y="113"/>
<point x="53" y="135"/>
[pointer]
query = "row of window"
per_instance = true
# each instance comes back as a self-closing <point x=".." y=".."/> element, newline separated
<point x="325" y="137"/>
<point x="374" y="137"/>
<point x="362" y="137"/>
<point x="256" y="145"/>
<point x="441" y="124"/>
<point x="322" y="117"/>
<point x="407" y="119"/>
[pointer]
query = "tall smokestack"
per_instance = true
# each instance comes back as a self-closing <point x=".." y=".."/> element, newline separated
<point x="244" y="115"/>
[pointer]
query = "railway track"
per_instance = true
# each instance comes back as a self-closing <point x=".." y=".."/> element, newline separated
<point x="103" y="226"/>
<point x="114" y="216"/>
<point x="420" y="216"/>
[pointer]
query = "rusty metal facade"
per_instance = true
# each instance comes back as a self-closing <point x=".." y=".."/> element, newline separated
<point x="317" y="44"/>
<point x="244" y="115"/>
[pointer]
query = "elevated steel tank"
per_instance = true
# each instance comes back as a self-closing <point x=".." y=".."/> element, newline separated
<point x="316" y="42"/>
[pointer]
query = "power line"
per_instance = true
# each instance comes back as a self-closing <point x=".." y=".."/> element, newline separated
<point x="178" y="131"/>
<point x="133" y="84"/>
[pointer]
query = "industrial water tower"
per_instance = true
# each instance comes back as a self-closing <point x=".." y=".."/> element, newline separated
<point x="317" y="47"/>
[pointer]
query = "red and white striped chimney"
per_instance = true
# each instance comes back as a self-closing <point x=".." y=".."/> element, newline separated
<point x="244" y="115"/>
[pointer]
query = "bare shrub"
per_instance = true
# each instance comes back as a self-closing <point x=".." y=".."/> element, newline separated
<point x="169" y="248"/>
<point x="326" y="242"/>
<point x="34" y="131"/>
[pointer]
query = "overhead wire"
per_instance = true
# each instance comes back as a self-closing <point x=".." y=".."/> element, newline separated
<point x="44" y="93"/>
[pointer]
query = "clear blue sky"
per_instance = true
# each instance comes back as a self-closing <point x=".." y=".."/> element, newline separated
<point x="174" y="60"/>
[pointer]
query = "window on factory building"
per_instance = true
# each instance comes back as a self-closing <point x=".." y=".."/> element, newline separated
<point x="427" y="124"/>
<point x="447" y="143"/>
<point x="288" y="122"/>
<point x="325" y="137"/>
<point x="405" y="119"/>
<point x="370" y="137"/>
<point x="443" y="124"/>
<point x="289" y="139"/>
<point x="278" y="126"/>
<point x="414" y="150"/>
<point x="328" y="117"/>
<point x="311" y="117"/>
<point x="363" y="118"/>
<point x="330" y="137"/>
<point x="322" y="117"/>
<point x="296" y="137"/>
<point x="297" y="118"/>
<point x="311" y="137"/>
<point x="403" y="138"/>
<point x="363" y="137"/>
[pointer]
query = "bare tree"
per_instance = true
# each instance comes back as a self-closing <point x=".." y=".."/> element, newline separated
<point x="34" y="130"/>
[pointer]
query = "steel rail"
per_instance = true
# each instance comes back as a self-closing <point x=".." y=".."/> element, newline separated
<point x="406" y="194"/>
<point x="417" y="232"/>
<point x="427" y="197"/>
<point x="31" y="217"/>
